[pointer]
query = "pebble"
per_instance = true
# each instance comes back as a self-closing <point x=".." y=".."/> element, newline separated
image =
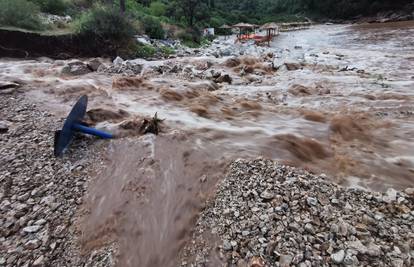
<point x="312" y="201"/>
<point x="338" y="257"/>
<point x="32" y="229"/>
<point x="39" y="190"/>
<point x="32" y="244"/>
<point x="285" y="260"/>
<point x="4" y="127"/>
<point x="39" y="261"/>
<point x="351" y="229"/>
<point x="267" y="195"/>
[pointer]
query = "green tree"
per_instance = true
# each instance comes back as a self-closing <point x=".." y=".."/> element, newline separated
<point x="192" y="10"/>
<point x="157" y="9"/>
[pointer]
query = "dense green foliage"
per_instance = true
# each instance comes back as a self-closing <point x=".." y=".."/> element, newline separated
<point x="57" y="7"/>
<point x="158" y="9"/>
<point x="136" y="50"/>
<point x="153" y="27"/>
<point x="104" y="23"/>
<point x="20" y="13"/>
<point x="202" y="13"/>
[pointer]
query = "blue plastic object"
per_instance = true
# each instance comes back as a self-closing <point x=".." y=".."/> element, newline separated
<point x="92" y="131"/>
<point x="73" y="123"/>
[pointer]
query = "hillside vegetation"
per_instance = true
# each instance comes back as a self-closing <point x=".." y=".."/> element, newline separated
<point x="117" y="21"/>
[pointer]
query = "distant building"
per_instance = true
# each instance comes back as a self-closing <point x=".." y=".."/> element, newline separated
<point x="208" y="32"/>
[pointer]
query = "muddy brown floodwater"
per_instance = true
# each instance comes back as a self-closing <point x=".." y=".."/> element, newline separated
<point x="347" y="111"/>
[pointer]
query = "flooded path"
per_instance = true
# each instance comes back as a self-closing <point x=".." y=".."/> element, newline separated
<point x="337" y="100"/>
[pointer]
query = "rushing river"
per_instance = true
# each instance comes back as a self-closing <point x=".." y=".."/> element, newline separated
<point x="347" y="112"/>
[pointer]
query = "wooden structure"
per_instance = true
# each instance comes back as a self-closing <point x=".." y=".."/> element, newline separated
<point x="272" y="30"/>
<point x="294" y="26"/>
<point x="246" y="31"/>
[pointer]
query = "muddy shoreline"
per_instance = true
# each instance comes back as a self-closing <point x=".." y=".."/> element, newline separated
<point x="29" y="45"/>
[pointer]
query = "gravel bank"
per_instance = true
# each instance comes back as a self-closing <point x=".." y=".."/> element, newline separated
<point x="39" y="194"/>
<point x="265" y="214"/>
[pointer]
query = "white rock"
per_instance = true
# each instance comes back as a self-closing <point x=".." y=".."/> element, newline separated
<point x="40" y="222"/>
<point x="390" y="196"/>
<point x="31" y="229"/>
<point x="312" y="201"/>
<point x="373" y="250"/>
<point x="338" y="257"/>
<point x="358" y="246"/>
<point x="227" y="245"/>
<point x="409" y="191"/>
<point x="267" y="195"/>
<point x="118" y="61"/>
<point x="39" y="261"/>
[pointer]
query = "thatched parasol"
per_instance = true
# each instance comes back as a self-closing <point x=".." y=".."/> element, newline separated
<point x="244" y="26"/>
<point x="269" y="26"/>
<point x="225" y="26"/>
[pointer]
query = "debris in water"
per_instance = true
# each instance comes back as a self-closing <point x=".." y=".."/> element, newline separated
<point x="151" y="126"/>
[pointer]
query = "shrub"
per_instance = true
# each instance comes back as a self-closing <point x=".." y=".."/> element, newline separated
<point x="153" y="27"/>
<point x="165" y="50"/>
<point x="20" y="13"/>
<point x="102" y="23"/>
<point x="190" y="38"/>
<point x="57" y="7"/>
<point x="145" y="51"/>
<point x="135" y="50"/>
<point x="157" y="9"/>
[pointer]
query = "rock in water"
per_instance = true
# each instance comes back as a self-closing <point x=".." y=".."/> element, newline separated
<point x="391" y="196"/>
<point x="118" y="61"/>
<point x="75" y="68"/>
<point x="94" y="64"/>
<point x="224" y="79"/>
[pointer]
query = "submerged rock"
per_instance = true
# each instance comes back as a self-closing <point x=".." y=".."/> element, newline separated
<point x="224" y="79"/>
<point x="293" y="66"/>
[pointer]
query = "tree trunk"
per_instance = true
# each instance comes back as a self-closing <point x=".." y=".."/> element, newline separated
<point x="122" y="6"/>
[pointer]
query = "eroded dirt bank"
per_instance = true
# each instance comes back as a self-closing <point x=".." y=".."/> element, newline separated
<point x="332" y="99"/>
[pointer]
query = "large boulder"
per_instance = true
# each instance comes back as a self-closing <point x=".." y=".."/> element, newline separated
<point x="94" y="64"/>
<point x="75" y="68"/>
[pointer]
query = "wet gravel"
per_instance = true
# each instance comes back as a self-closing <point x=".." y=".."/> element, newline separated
<point x="266" y="214"/>
<point x="39" y="194"/>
